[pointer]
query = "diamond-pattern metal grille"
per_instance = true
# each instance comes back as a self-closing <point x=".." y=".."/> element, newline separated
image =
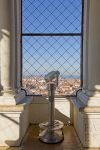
<point x="44" y="54"/>
<point x="45" y="50"/>
<point x="51" y="16"/>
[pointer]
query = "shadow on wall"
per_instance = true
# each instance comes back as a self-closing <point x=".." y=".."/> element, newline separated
<point x="9" y="129"/>
<point x="13" y="126"/>
<point x="39" y="110"/>
<point x="60" y="116"/>
<point x="63" y="111"/>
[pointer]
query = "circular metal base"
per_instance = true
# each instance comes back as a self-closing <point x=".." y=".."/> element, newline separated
<point x="57" y="125"/>
<point x="51" y="137"/>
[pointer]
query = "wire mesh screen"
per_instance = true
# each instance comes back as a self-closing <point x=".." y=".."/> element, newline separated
<point x="51" y="40"/>
<point x="52" y="16"/>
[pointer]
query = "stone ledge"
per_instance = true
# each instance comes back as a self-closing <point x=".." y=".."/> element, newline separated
<point x="89" y="100"/>
<point x="83" y="108"/>
<point x="14" y="121"/>
<point x="86" y="120"/>
<point x="16" y="108"/>
<point x="44" y="99"/>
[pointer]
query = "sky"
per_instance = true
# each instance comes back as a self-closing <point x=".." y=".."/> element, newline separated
<point x="42" y="54"/>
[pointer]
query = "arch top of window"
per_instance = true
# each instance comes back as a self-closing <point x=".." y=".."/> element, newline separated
<point x="51" y="16"/>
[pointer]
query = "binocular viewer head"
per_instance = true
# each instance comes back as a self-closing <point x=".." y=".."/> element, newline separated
<point x="51" y="76"/>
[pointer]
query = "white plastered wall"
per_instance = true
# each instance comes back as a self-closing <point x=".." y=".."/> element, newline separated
<point x="39" y="110"/>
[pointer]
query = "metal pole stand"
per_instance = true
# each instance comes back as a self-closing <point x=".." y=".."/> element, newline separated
<point x="51" y="131"/>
